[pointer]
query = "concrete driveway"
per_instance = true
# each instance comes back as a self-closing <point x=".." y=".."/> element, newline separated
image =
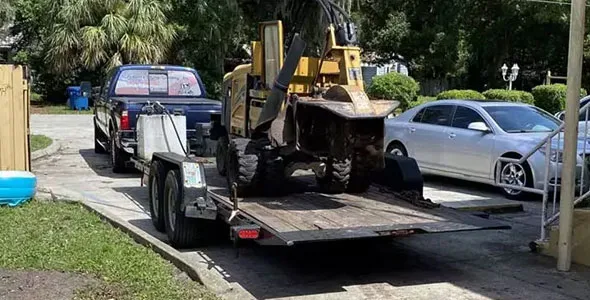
<point x="472" y="265"/>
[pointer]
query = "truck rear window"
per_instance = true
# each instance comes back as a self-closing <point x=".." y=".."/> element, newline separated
<point x="163" y="83"/>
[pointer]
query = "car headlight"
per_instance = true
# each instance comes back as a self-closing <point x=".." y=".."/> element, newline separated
<point x="554" y="156"/>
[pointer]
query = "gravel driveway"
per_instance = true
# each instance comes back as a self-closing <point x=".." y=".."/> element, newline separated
<point x="473" y="265"/>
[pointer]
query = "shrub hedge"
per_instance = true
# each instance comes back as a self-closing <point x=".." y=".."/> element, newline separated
<point x="512" y="96"/>
<point x="394" y="86"/>
<point x="460" y="95"/>
<point x="552" y="97"/>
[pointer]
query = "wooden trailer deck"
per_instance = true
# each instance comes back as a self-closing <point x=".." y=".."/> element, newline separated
<point x="306" y="215"/>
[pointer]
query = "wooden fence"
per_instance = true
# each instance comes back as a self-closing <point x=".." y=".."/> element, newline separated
<point x="14" y="119"/>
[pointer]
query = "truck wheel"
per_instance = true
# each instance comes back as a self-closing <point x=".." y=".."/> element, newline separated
<point x="337" y="176"/>
<point x="242" y="165"/>
<point x="156" y="194"/>
<point x="221" y="155"/>
<point x="117" y="157"/>
<point x="182" y="231"/>
<point x="98" y="148"/>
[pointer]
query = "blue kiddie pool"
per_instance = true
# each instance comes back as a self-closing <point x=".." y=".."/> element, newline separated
<point x="16" y="187"/>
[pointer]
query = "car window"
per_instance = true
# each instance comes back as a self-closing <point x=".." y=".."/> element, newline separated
<point x="465" y="116"/>
<point x="145" y="82"/>
<point x="438" y="115"/>
<point x="518" y="119"/>
<point x="418" y="117"/>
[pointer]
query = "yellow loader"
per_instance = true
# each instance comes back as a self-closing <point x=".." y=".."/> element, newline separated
<point x="282" y="114"/>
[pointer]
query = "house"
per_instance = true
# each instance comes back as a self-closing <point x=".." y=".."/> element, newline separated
<point x="6" y="42"/>
<point x="371" y="67"/>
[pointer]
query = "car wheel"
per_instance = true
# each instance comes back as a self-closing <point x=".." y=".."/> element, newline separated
<point x="397" y="149"/>
<point x="515" y="174"/>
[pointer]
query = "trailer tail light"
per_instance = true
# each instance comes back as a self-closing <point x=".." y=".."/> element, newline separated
<point x="248" y="234"/>
<point x="125" y="120"/>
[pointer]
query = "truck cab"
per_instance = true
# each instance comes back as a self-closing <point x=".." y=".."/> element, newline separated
<point x="129" y="88"/>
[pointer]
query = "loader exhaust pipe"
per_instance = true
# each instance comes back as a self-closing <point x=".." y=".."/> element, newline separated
<point x="273" y="103"/>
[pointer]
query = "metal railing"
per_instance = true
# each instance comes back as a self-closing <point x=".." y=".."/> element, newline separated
<point x="552" y="144"/>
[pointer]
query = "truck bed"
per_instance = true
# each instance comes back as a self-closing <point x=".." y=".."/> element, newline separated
<point x="305" y="215"/>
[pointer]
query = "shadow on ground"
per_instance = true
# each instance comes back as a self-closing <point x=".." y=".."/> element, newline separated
<point x="101" y="165"/>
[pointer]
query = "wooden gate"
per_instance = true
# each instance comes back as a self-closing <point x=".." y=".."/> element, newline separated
<point x="14" y="119"/>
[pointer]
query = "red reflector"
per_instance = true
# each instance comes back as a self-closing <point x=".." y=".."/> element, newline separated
<point x="124" y="120"/>
<point x="248" y="234"/>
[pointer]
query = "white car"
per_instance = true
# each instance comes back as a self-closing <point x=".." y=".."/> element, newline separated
<point x="464" y="139"/>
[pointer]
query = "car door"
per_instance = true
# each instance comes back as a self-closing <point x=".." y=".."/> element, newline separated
<point x="427" y="135"/>
<point x="469" y="152"/>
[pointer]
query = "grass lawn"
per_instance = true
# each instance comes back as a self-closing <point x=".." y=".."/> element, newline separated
<point x="66" y="237"/>
<point x="39" y="142"/>
<point x="55" y="109"/>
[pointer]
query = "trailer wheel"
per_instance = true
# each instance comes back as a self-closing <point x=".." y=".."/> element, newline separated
<point x="242" y="165"/>
<point x="182" y="231"/>
<point x="156" y="194"/>
<point x="337" y="176"/>
<point x="221" y="155"/>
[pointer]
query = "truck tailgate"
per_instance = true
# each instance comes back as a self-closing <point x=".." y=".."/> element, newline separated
<point x="312" y="217"/>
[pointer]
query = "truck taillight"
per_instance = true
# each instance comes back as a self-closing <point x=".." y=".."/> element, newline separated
<point x="125" y="120"/>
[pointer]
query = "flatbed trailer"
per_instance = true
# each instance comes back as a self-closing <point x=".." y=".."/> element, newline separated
<point x="302" y="216"/>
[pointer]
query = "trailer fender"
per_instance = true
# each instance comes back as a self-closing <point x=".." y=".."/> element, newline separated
<point x="195" y="202"/>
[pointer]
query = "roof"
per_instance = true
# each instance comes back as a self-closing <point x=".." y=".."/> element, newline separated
<point x="481" y="103"/>
<point x="150" y="67"/>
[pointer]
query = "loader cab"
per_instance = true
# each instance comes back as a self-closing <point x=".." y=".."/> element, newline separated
<point x="248" y="86"/>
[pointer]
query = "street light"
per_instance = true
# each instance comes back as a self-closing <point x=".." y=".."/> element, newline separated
<point x="513" y="75"/>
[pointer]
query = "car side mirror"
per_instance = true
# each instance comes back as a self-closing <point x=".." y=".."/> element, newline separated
<point x="479" y="126"/>
<point x="560" y="115"/>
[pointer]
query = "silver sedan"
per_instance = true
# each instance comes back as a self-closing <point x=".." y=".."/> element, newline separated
<point x="464" y="139"/>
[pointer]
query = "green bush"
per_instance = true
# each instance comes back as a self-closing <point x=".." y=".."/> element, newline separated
<point x="36" y="97"/>
<point x="421" y="100"/>
<point x="512" y="96"/>
<point x="460" y="95"/>
<point x="552" y="97"/>
<point x="394" y="86"/>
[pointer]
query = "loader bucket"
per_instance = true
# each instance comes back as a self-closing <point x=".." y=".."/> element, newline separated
<point x="342" y="122"/>
<point x="351" y="102"/>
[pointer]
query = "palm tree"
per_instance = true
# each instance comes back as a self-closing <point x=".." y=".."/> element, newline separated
<point x="106" y="33"/>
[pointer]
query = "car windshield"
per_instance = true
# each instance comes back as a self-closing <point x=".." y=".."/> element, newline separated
<point x="513" y="119"/>
<point x="165" y="83"/>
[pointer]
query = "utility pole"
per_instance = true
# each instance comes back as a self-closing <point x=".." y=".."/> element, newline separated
<point x="572" y="108"/>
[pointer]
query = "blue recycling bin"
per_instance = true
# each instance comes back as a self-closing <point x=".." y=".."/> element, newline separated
<point x="76" y="99"/>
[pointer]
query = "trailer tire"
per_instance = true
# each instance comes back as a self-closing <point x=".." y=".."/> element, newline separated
<point x="221" y="155"/>
<point x="242" y="165"/>
<point x="182" y="231"/>
<point x="337" y="176"/>
<point x="156" y="194"/>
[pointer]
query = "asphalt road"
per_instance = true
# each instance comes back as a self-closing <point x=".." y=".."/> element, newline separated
<point x="493" y="264"/>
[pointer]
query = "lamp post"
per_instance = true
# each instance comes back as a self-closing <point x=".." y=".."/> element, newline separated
<point x="513" y="75"/>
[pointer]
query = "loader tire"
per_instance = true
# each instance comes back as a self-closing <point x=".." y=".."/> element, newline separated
<point x="242" y="166"/>
<point x="337" y="176"/>
<point x="360" y="175"/>
<point x="221" y="155"/>
<point x="273" y="174"/>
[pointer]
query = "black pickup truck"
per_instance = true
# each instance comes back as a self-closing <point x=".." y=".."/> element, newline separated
<point x="129" y="88"/>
